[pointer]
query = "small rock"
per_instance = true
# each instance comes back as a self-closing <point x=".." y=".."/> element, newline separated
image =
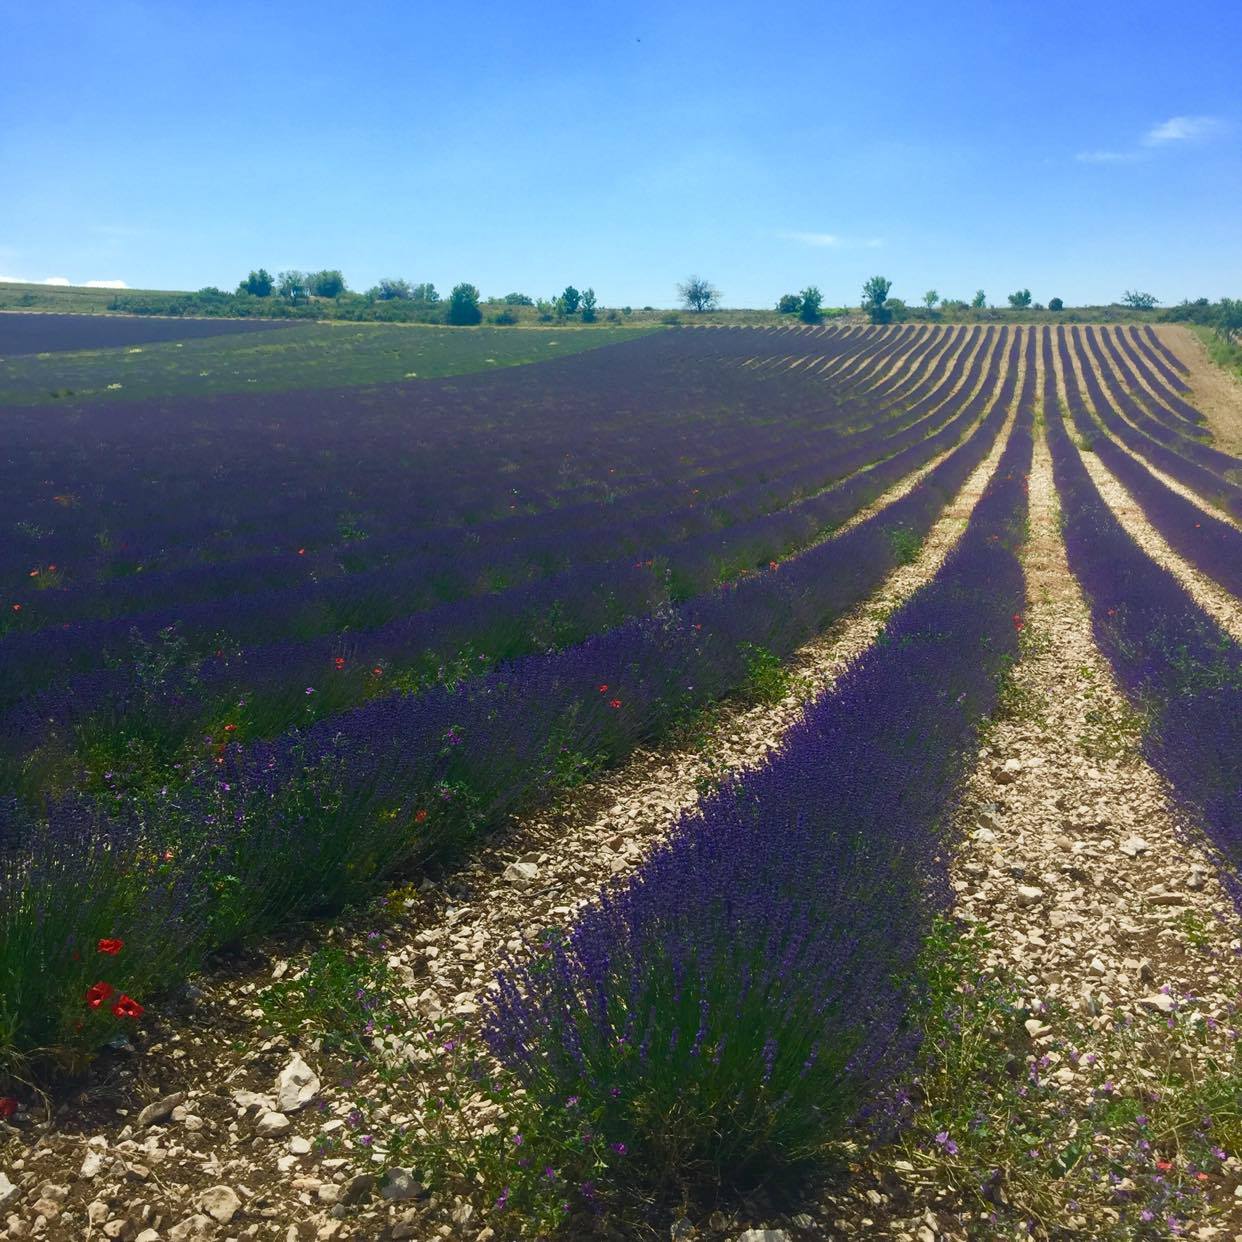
<point x="299" y="1146"/>
<point x="273" y="1125"/>
<point x="97" y="1212"/>
<point x="92" y="1162"/>
<point x="681" y="1230"/>
<point x="462" y="1213"/>
<point x="161" y="1110"/>
<point x="1133" y="846"/>
<point x="1159" y="1002"/>
<point x="400" y="1185"/>
<point x="1196" y="880"/>
<point x="220" y="1203"/>
<point x="193" y="1227"/>
<point x="7" y="1189"/>
<point x="148" y="1235"/>
<point x="296" y="1085"/>
<point x="358" y="1189"/>
<point x="1029" y="895"/>
<point x="763" y="1235"/>
<point x="1035" y="1028"/>
<point x="46" y="1207"/>
<point x="328" y="1193"/>
<point x="522" y="872"/>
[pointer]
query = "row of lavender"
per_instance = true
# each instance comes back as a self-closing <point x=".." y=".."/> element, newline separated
<point x="1207" y="542"/>
<point x="313" y="593"/>
<point x="1206" y="471"/>
<point x="313" y="819"/>
<point x="1183" y="672"/>
<point x="752" y="991"/>
<point x="636" y="414"/>
<point x="262" y="689"/>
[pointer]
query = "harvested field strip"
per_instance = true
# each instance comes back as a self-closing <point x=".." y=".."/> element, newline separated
<point x="1156" y="382"/>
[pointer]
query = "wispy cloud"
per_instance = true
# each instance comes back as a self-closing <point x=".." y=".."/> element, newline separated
<point x="1184" y="129"/>
<point x="832" y="240"/>
<point x="58" y="280"/>
<point x="106" y="284"/>
<point x="1164" y="134"/>
<point x="1110" y="157"/>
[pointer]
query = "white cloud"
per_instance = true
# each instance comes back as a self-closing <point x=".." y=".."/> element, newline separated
<point x="58" y="280"/>
<point x="1109" y="157"/>
<point x="831" y="240"/>
<point x="13" y="280"/>
<point x="1183" y="129"/>
<point x="106" y="284"/>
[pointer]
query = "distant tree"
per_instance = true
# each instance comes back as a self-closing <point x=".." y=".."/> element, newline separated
<point x="627" y="310"/>
<point x="293" y="285"/>
<point x="895" y="308"/>
<point x="874" y="296"/>
<point x="425" y="293"/>
<point x="1021" y="299"/>
<point x="789" y="304"/>
<point x="518" y="299"/>
<point x="258" y="284"/>
<point x="931" y="297"/>
<point x="588" y="306"/>
<point x="545" y="309"/>
<point x="1055" y="304"/>
<point x="328" y="283"/>
<point x="570" y="299"/>
<point x="463" y="305"/>
<point x="210" y="291"/>
<point x="392" y="289"/>
<point x="1229" y="318"/>
<point x="698" y="294"/>
<point x="1139" y="301"/>
<point x="505" y="316"/>
<point x="811" y="301"/>
<point x="980" y="300"/>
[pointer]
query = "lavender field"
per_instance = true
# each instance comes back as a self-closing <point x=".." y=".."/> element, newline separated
<point x="324" y="712"/>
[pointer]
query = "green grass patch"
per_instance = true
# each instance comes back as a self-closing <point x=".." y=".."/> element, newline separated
<point x="304" y="356"/>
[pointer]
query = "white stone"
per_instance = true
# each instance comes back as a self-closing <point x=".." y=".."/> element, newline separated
<point x="1133" y="846"/>
<point x="1028" y="894"/>
<point x="274" y="1124"/>
<point x="296" y="1086"/>
<point x="522" y="872"/>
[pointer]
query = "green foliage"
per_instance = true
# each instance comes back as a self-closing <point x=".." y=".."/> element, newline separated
<point x="789" y="304"/>
<point x="698" y="294"/>
<point x="1229" y="318"/>
<point x="588" y="306"/>
<point x="931" y="297"/>
<point x="768" y="680"/>
<point x="1020" y="299"/>
<point x="811" y="301"/>
<point x="293" y="285"/>
<point x="391" y="288"/>
<point x="425" y="293"/>
<point x="1055" y="304"/>
<point x="905" y="544"/>
<point x="503" y="317"/>
<point x="463" y="305"/>
<point x="258" y="284"/>
<point x="570" y="300"/>
<point x="874" y="296"/>
<point x="1139" y="301"/>
<point x="980" y="300"/>
<point x="329" y="283"/>
<point x="518" y="299"/>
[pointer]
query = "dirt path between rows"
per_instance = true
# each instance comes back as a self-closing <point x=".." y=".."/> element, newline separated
<point x="1212" y="390"/>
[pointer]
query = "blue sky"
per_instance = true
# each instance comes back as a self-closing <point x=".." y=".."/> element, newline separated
<point x="1075" y="149"/>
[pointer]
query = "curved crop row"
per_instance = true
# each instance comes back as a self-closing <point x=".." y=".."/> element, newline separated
<point x="298" y="825"/>
<point x="746" y="994"/>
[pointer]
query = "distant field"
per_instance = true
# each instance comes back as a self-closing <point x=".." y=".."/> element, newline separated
<point x="300" y="356"/>
<point x="55" y="333"/>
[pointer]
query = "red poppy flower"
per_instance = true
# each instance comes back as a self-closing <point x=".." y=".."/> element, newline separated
<point x="97" y="993"/>
<point x="339" y="661"/>
<point x="17" y="607"/>
<point x="1018" y="623"/>
<point x="127" y="1007"/>
<point x="111" y="947"/>
<point x="420" y="816"/>
<point x="8" y="1106"/>
<point x="301" y="551"/>
<point x="230" y="728"/>
<point x="773" y="564"/>
<point x="614" y="703"/>
<point x="34" y="573"/>
<point x="377" y="672"/>
<point x="603" y="687"/>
